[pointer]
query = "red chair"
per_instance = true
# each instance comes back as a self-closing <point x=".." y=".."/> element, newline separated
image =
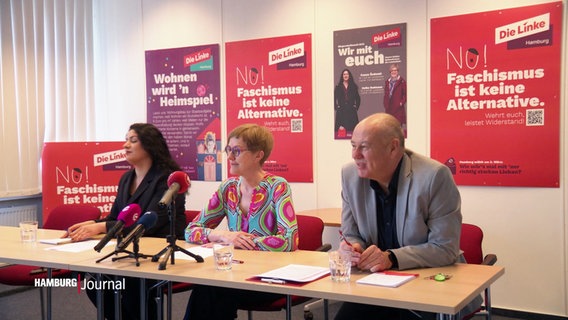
<point x="176" y="287"/>
<point x="190" y="215"/>
<point x="471" y="245"/>
<point x="60" y="218"/>
<point x="310" y="230"/>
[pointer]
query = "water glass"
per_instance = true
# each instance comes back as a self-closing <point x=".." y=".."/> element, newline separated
<point x="223" y="254"/>
<point x="340" y="266"/>
<point x="28" y="231"/>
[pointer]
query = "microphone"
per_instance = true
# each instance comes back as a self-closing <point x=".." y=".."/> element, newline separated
<point x="126" y="218"/>
<point x="147" y="221"/>
<point x="178" y="182"/>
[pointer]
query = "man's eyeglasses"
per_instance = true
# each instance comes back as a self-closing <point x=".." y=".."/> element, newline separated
<point x="236" y="150"/>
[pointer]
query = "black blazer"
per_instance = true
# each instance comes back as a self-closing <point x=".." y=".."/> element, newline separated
<point x="147" y="196"/>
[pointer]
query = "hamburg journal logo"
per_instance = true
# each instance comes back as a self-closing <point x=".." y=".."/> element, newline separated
<point x="86" y="284"/>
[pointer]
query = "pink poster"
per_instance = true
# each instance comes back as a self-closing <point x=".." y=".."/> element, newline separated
<point x="81" y="172"/>
<point x="183" y="101"/>
<point x="269" y="82"/>
<point x="495" y="96"/>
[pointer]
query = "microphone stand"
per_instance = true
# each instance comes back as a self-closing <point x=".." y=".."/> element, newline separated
<point x="135" y="253"/>
<point x="169" y="251"/>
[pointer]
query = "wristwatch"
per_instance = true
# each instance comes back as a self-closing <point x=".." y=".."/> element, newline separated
<point x="393" y="259"/>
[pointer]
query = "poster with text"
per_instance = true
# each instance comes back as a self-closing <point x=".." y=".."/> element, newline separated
<point x="495" y="96"/>
<point x="269" y="82"/>
<point x="81" y="172"/>
<point x="369" y="75"/>
<point x="183" y="101"/>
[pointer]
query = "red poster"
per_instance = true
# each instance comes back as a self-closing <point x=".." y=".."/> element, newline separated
<point x="495" y="90"/>
<point x="81" y="172"/>
<point x="269" y="82"/>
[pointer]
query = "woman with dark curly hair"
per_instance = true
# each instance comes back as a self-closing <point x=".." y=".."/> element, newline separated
<point x="145" y="184"/>
<point x="347" y="102"/>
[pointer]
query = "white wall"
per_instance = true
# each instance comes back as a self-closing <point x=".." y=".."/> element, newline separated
<point x="525" y="227"/>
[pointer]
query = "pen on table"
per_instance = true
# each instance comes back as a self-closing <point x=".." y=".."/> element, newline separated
<point x="238" y="261"/>
<point x="344" y="239"/>
<point x="270" y="280"/>
<point x="397" y="273"/>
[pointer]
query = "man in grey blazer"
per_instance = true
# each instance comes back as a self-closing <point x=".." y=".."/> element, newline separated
<point x="400" y="210"/>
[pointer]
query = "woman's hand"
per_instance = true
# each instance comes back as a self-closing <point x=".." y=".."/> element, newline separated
<point x="84" y="230"/>
<point x="240" y="239"/>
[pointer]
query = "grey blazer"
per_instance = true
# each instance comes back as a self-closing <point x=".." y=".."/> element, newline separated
<point x="428" y="214"/>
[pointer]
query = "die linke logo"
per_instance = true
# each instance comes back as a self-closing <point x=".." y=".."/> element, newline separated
<point x="197" y="57"/>
<point x="522" y="28"/>
<point x="288" y="53"/>
<point x="101" y="159"/>
<point x="387" y="36"/>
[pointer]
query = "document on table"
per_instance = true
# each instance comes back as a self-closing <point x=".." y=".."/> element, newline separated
<point x="78" y="246"/>
<point x="202" y="251"/>
<point x="296" y="273"/>
<point x="387" y="279"/>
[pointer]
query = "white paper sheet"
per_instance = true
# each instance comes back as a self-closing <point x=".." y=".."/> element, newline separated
<point x="296" y="273"/>
<point x="386" y="280"/>
<point x="78" y="246"/>
<point x="200" y="250"/>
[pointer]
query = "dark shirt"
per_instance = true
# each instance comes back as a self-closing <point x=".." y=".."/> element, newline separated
<point x="386" y="212"/>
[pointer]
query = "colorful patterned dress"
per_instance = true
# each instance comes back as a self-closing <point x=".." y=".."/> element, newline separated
<point x="271" y="217"/>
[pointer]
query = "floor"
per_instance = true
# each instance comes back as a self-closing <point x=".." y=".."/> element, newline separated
<point x="16" y="303"/>
<point x="23" y="303"/>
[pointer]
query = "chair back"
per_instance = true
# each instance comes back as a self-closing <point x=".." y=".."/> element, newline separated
<point x="471" y="243"/>
<point x="310" y="230"/>
<point x="190" y="215"/>
<point x="66" y="215"/>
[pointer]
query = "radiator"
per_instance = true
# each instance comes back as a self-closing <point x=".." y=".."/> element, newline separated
<point x="11" y="216"/>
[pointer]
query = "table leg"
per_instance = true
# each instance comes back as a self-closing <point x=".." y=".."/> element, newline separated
<point x="142" y="299"/>
<point x="100" y="300"/>
<point x="288" y="307"/>
<point x="117" y="302"/>
<point x="48" y="294"/>
<point x="170" y="294"/>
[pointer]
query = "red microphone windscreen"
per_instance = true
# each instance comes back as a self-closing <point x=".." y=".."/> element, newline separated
<point x="130" y="214"/>
<point x="181" y="178"/>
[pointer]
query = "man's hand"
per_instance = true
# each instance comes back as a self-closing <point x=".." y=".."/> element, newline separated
<point x="374" y="259"/>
